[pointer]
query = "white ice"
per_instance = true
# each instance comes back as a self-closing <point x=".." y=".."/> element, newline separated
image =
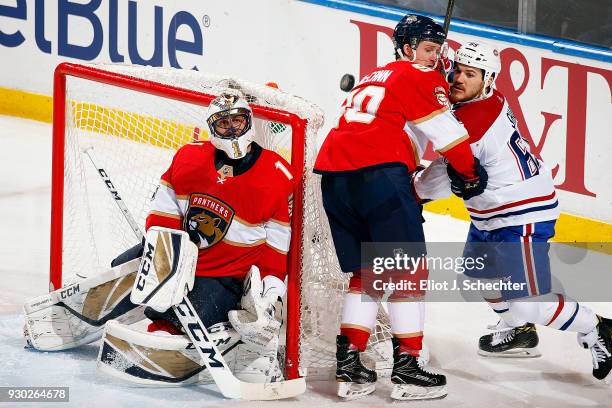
<point x="561" y="378"/>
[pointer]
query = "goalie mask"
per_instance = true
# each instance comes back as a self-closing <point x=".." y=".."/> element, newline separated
<point x="482" y="56"/>
<point x="230" y="121"/>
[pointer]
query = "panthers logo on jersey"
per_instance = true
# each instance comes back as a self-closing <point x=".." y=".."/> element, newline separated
<point x="442" y="96"/>
<point x="207" y="219"/>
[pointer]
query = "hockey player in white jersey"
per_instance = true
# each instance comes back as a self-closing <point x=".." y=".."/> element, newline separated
<point x="519" y="208"/>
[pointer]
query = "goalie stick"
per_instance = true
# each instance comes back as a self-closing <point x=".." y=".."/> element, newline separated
<point x="114" y="193"/>
<point x="66" y="292"/>
<point x="230" y="386"/>
<point x="226" y="381"/>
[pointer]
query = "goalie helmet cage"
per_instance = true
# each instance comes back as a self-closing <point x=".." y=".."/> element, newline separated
<point x="135" y="118"/>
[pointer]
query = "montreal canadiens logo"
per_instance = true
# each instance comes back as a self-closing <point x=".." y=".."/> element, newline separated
<point x="440" y="94"/>
<point x="208" y="219"/>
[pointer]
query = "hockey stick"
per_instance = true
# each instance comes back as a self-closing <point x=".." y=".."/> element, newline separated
<point x="114" y="193"/>
<point x="447" y="17"/>
<point x="228" y="384"/>
<point x="63" y="293"/>
<point x="66" y="292"/>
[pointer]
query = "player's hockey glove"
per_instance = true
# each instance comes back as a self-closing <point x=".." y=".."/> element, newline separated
<point x="468" y="188"/>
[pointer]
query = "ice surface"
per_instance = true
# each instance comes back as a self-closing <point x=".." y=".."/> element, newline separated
<point x="561" y="378"/>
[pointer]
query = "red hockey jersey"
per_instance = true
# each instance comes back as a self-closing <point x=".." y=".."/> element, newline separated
<point x="236" y="221"/>
<point x="389" y="118"/>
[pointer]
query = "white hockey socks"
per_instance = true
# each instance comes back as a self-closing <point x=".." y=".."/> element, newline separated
<point x="501" y="308"/>
<point x="358" y="318"/>
<point x="557" y="311"/>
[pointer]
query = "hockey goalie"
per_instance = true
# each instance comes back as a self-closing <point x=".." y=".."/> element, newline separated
<point x="216" y="240"/>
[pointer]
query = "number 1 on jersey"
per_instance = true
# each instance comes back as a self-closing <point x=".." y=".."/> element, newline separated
<point x="282" y="168"/>
<point x="362" y="103"/>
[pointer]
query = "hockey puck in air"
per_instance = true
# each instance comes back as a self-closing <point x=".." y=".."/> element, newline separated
<point x="347" y="82"/>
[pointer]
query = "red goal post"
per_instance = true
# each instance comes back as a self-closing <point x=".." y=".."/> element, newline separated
<point x="120" y="109"/>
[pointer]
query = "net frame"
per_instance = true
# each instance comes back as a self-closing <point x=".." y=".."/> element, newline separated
<point x="301" y="350"/>
<point x="297" y="163"/>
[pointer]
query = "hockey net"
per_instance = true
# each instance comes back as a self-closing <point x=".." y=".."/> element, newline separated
<point x="133" y="119"/>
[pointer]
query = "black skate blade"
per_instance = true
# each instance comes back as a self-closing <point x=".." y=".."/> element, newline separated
<point x="514" y="353"/>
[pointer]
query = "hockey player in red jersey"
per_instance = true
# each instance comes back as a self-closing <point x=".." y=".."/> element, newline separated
<point x="519" y="209"/>
<point x="223" y="206"/>
<point x="366" y="163"/>
<point x="232" y="197"/>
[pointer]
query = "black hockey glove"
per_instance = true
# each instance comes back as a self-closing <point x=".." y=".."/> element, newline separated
<point x="467" y="189"/>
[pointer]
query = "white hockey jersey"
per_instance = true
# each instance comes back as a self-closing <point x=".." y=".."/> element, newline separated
<point x="520" y="189"/>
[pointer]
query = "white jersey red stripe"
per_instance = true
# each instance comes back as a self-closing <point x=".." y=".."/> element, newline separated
<point x="520" y="187"/>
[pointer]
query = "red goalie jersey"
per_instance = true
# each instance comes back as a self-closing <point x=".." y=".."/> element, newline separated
<point x="389" y="118"/>
<point x="237" y="220"/>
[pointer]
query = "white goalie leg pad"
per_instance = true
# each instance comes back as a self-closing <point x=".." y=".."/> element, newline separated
<point x="75" y="314"/>
<point x="260" y="318"/>
<point x="167" y="267"/>
<point x="131" y="353"/>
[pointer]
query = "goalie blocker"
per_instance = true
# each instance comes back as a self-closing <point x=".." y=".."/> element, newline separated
<point x="167" y="268"/>
<point x="75" y="315"/>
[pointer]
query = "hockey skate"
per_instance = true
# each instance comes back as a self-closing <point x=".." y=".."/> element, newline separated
<point x="514" y="342"/>
<point x="599" y="341"/>
<point x="411" y="380"/>
<point x="354" y="380"/>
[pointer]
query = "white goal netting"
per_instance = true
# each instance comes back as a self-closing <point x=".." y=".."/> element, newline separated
<point x="133" y="135"/>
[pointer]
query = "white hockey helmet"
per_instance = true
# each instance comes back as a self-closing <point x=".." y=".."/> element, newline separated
<point x="230" y="121"/>
<point x="483" y="56"/>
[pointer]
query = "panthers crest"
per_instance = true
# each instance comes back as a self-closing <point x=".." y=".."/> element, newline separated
<point x="207" y="219"/>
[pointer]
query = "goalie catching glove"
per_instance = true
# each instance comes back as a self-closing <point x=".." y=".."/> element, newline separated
<point x="260" y="319"/>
